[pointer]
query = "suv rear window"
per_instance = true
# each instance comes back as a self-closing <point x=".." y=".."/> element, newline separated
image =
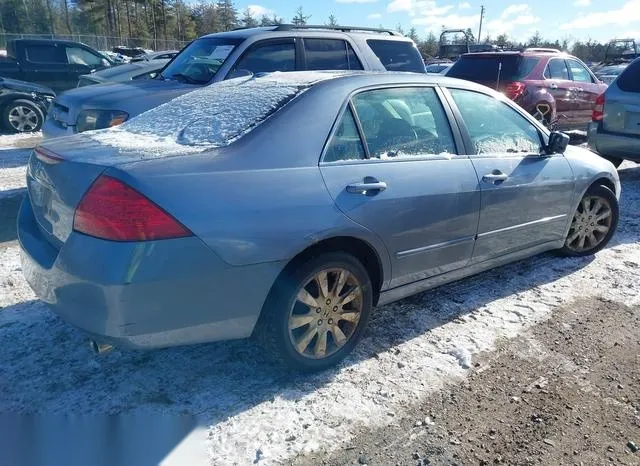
<point x="629" y="80"/>
<point x="397" y="55"/>
<point x="484" y="68"/>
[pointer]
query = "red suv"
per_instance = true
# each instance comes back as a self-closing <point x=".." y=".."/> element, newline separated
<point x="556" y="88"/>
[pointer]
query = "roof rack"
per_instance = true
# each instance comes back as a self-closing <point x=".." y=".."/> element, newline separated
<point x="541" y="50"/>
<point x="293" y="27"/>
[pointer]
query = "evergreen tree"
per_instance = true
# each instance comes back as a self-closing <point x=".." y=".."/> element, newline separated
<point x="228" y="14"/>
<point x="332" y="21"/>
<point x="248" y="20"/>
<point x="413" y="35"/>
<point x="300" y="19"/>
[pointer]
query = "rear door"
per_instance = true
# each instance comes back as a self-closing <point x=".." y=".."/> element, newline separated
<point x="392" y="166"/>
<point x="587" y="90"/>
<point x="46" y="63"/>
<point x="562" y="88"/>
<point x="526" y="196"/>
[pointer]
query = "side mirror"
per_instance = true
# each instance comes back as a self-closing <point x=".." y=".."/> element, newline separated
<point x="239" y="74"/>
<point x="558" y="143"/>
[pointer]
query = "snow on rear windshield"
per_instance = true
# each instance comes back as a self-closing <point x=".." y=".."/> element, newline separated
<point x="213" y="116"/>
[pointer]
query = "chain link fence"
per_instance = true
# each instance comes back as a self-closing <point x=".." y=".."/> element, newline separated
<point x="101" y="42"/>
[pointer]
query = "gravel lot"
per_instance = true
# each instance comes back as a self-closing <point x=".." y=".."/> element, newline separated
<point x="476" y="343"/>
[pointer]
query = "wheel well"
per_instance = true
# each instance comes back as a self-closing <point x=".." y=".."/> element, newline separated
<point x="358" y="248"/>
<point x="606" y="182"/>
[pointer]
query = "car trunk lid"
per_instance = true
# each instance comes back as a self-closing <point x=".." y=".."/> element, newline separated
<point x="55" y="187"/>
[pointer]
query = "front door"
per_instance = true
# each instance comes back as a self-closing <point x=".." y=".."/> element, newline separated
<point x="562" y="88"/>
<point x="392" y="167"/>
<point x="526" y="196"/>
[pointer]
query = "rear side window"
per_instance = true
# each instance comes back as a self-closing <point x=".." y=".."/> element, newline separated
<point x="629" y="80"/>
<point x="557" y="69"/>
<point x="346" y="143"/>
<point x="397" y="55"/>
<point x="44" y="53"/>
<point x="484" y="68"/>
<point x="269" y="57"/>
<point x="330" y="54"/>
<point x="404" y="122"/>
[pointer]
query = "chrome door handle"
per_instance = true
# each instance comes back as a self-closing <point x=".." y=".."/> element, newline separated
<point x="495" y="177"/>
<point x="366" y="187"/>
<point x="553" y="86"/>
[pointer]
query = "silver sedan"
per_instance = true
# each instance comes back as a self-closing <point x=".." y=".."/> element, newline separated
<point x="288" y="206"/>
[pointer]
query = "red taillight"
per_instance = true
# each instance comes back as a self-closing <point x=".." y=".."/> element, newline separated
<point x="598" y="109"/>
<point x="515" y="89"/>
<point x="114" y="211"/>
<point x="46" y="156"/>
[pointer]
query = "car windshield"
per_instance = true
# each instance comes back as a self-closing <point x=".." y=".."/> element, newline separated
<point x="484" y="68"/>
<point x="199" y="62"/>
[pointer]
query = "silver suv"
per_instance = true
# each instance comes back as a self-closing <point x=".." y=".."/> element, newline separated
<point x="614" y="132"/>
<point x="225" y="55"/>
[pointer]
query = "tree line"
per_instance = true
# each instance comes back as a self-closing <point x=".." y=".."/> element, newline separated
<point x="161" y="20"/>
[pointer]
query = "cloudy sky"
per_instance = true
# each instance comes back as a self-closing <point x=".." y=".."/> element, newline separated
<point x="555" y="19"/>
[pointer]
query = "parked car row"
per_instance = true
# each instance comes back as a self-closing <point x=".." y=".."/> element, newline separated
<point x="218" y="57"/>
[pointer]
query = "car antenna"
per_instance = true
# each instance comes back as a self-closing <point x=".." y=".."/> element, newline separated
<point x="499" y="71"/>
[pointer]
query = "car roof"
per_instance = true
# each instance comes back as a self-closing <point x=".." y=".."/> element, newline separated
<point x="522" y="53"/>
<point x="289" y="29"/>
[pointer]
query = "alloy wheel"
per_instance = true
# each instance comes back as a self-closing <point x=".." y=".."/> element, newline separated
<point x="591" y="224"/>
<point x="23" y="119"/>
<point x="326" y="313"/>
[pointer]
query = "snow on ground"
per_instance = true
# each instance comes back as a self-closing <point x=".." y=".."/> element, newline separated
<point x="252" y="408"/>
<point x="14" y="154"/>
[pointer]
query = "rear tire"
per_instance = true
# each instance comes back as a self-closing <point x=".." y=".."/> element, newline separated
<point x="22" y="116"/>
<point x="594" y="223"/>
<point x="316" y="312"/>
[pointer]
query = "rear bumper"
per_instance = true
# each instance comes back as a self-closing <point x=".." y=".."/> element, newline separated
<point x="613" y="145"/>
<point x="144" y="295"/>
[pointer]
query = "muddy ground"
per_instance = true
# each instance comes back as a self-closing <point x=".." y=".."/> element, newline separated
<point x="565" y="392"/>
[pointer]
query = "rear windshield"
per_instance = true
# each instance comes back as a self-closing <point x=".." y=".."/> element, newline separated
<point x="397" y="55"/>
<point x="199" y="62"/>
<point x="484" y="68"/>
<point x="629" y="80"/>
<point x="213" y="116"/>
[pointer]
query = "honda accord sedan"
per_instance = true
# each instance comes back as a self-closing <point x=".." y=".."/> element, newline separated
<point x="288" y="206"/>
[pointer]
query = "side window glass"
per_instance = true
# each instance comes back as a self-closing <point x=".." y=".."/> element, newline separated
<point x="43" y="54"/>
<point x="629" y="80"/>
<point x="579" y="72"/>
<point x="557" y="69"/>
<point x="326" y="54"/>
<point x="346" y="143"/>
<point x="80" y="56"/>
<point x="269" y="57"/>
<point x="404" y="122"/>
<point x="494" y="127"/>
<point x="397" y="55"/>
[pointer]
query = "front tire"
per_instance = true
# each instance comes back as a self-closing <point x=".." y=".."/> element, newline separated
<point x="22" y="116"/>
<point x="594" y="223"/>
<point x="317" y="311"/>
